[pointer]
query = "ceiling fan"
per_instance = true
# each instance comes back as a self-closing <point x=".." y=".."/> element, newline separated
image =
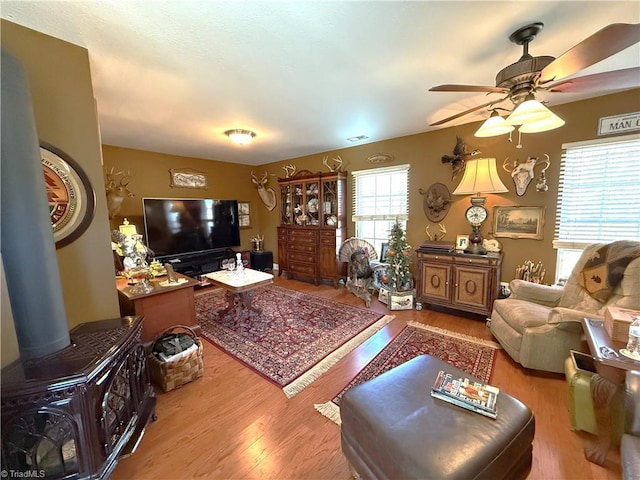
<point x="530" y="74"/>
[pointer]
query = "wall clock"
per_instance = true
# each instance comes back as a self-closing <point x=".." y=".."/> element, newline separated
<point x="69" y="193"/>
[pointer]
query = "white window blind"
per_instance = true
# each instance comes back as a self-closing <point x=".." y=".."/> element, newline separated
<point x="381" y="194"/>
<point x="599" y="192"/>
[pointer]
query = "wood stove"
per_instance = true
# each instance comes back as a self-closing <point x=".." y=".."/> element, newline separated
<point x="74" y="413"/>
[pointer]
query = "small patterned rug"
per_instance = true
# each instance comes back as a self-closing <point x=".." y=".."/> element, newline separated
<point x="295" y="339"/>
<point x="472" y="355"/>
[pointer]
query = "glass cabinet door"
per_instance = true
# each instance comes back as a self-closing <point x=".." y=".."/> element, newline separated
<point x="312" y="207"/>
<point x="286" y="209"/>
<point x="329" y="202"/>
<point x="298" y="203"/>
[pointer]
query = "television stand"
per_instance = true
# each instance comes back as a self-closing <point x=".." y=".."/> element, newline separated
<point x="196" y="264"/>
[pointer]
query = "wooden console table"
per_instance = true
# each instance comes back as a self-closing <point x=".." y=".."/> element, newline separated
<point x="458" y="280"/>
<point x="607" y="385"/>
<point x="162" y="308"/>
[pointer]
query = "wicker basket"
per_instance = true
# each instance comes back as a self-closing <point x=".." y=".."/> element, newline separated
<point x="170" y="375"/>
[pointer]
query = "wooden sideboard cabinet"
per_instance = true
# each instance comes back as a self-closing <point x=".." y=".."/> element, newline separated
<point x="312" y="225"/>
<point x="458" y="280"/>
<point x="162" y="308"/>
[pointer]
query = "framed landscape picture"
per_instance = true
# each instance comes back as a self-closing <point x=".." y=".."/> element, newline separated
<point x="518" y="222"/>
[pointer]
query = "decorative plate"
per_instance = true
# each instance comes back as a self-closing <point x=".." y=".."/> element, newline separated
<point x="71" y="197"/>
<point x="436" y="202"/>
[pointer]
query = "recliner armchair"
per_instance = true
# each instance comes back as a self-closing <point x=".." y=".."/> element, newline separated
<point x="538" y="324"/>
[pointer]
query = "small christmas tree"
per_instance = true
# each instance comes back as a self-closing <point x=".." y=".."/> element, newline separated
<point x="399" y="258"/>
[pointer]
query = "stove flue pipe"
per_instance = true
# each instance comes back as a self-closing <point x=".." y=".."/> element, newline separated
<point x="26" y="237"/>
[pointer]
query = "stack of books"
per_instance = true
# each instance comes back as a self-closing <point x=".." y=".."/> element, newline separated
<point x="475" y="396"/>
<point x="442" y="246"/>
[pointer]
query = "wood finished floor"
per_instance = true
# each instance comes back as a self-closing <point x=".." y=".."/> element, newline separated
<point x="234" y="424"/>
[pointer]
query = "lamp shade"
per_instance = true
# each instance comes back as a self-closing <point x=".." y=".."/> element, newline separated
<point x="531" y="110"/>
<point x="549" y="123"/>
<point x="480" y="176"/>
<point x="239" y="136"/>
<point x="494" y="125"/>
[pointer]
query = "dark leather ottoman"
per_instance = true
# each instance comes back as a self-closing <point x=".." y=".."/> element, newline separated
<point x="393" y="429"/>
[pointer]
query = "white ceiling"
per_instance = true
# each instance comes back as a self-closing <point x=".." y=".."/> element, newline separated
<point x="172" y="76"/>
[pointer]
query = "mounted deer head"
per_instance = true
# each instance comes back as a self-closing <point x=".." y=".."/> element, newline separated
<point x="267" y="195"/>
<point x="117" y="191"/>
<point x="523" y="172"/>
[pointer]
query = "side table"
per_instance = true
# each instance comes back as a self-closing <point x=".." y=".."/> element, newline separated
<point x="607" y="385"/>
<point x="261" y="260"/>
<point x="163" y="307"/>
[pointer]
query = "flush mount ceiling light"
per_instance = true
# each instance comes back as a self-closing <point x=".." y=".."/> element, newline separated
<point x="239" y="136"/>
<point x="357" y="138"/>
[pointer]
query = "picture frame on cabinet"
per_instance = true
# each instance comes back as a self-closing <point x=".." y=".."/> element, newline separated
<point x="518" y="222"/>
<point x="462" y="242"/>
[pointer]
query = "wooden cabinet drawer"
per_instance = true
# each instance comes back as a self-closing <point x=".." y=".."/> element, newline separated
<point x="475" y="261"/>
<point x="303" y="268"/>
<point x="301" y="257"/>
<point x="301" y="240"/>
<point x="301" y="234"/>
<point x="328" y="241"/>
<point x="306" y="248"/>
<point x="435" y="257"/>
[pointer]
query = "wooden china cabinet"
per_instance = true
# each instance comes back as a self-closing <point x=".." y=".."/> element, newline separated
<point x="459" y="280"/>
<point x="312" y="225"/>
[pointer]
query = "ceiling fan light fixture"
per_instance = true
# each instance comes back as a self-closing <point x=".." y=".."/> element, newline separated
<point x="549" y="123"/>
<point x="494" y="125"/>
<point x="531" y="110"/>
<point x="240" y="136"/>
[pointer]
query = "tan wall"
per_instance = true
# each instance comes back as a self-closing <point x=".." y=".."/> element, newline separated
<point x="62" y="94"/>
<point x="151" y="178"/>
<point x="424" y="151"/>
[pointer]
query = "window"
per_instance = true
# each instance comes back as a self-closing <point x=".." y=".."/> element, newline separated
<point x="380" y="197"/>
<point x="598" y="197"/>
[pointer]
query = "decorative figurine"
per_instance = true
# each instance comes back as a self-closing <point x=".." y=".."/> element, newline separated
<point x="459" y="157"/>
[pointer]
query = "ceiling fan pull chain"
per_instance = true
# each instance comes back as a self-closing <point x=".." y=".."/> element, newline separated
<point x="519" y="139"/>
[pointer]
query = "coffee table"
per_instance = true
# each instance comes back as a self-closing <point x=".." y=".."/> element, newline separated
<point x="239" y="285"/>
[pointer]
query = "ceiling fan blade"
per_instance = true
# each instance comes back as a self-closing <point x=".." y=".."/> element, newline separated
<point x="466" y="112"/>
<point x="468" y="88"/>
<point x="606" y="42"/>
<point x="599" y="82"/>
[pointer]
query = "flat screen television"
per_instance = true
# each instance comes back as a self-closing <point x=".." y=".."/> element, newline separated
<point x="178" y="226"/>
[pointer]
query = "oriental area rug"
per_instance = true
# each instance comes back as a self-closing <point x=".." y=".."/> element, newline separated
<point x="294" y="340"/>
<point x="472" y="355"/>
